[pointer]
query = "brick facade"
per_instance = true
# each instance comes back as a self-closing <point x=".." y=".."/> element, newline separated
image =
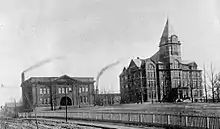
<point x="51" y="91"/>
<point x="162" y="77"/>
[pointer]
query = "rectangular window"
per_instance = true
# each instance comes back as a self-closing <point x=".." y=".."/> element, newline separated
<point x="70" y="90"/>
<point x="80" y="90"/>
<point x="48" y="91"/>
<point x="48" y="100"/>
<point x="84" y="99"/>
<point x="201" y="93"/>
<point x="45" y="91"/>
<point x="81" y="99"/>
<point x="86" y="89"/>
<point x="41" y="91"/>
<point x="45" y="101"/>
<point x="59" y="90"/>
<point x="63" y="90"/>
<point x="66" y="90"/>
<point x="41" y="100"/>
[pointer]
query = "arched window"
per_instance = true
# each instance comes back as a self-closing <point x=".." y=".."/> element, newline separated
<point x="150" y="67"/>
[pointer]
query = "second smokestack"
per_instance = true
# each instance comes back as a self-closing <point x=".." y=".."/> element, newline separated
<point x="22" y="77"/>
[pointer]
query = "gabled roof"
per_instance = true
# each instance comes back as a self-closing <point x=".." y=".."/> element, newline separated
<point x="52" y="79"/>
<point x="150" y="60"/>
<point x="123" y="71"/>
<point x="167" y="32"/>
<point x="155" y="57"/>
<point x="138" y="62"/>
<point x="65" y="78"/>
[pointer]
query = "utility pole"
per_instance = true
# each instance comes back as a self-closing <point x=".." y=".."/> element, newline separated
<point x="66" y="100"/>
<point x="51" y="94"/>
<point x="191" y="83"/>
<point x="36" y="117"/>
<point x="15" y="108"/>
<point x="78" y="95"/>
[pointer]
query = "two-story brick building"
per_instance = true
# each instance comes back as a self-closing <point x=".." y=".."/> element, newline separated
<point x="165" y="76"/>
<point x="55" y="92"/>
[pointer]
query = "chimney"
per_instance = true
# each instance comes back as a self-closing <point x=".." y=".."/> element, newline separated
<point x="22" y="77"/>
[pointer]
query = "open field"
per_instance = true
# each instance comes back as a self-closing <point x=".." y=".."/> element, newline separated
<point x="186" y="108"/>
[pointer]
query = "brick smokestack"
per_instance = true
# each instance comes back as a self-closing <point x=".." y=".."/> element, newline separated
<point x="22" y="77"/>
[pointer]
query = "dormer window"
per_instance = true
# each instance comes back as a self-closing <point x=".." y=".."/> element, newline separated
<point x="174" y="39"/>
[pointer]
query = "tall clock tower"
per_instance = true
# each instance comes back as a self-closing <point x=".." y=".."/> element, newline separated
<point x="169" y="45"/>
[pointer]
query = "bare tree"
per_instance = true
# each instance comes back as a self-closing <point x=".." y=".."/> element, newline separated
<point x="205" y="86"/>
<point x="213" y="80"/>
<point x="218" y="86"/>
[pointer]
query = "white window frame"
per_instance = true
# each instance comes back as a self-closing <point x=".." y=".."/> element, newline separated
<point x="41" y="91"/>
<point x="59" y="90"/>
<point x="66" y="89"/>
<point x="45" y="91"/>
<point x="79" y="89"/>
<point x="48" y="90"/>
<point x="41" y="100"/>
<point x="86" y="89"/>
<point x="83" y="89"/>
<point x="63" y="90"/>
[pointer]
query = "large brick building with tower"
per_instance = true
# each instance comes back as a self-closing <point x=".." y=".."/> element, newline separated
<point x="55" y="92"/>
<point x="165" y="76"/>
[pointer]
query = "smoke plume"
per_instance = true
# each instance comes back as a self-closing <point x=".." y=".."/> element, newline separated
<point x="103" y="70"/>
<point x="42" y="63"/>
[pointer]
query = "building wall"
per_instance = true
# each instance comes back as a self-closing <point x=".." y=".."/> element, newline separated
<point x="167" y="77"/>
<point x="47" y="94"/>
<point x="108" y="99"/>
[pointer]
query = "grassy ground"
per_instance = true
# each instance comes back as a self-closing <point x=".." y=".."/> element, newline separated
<point x="186" y="108"/>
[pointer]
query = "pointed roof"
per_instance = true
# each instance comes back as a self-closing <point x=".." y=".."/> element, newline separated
<point x="138" y="62"/>
<point x="155" y="57"/>
<point x="167" y="32"/>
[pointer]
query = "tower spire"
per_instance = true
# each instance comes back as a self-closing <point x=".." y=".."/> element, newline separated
<point x="167" y="32"/>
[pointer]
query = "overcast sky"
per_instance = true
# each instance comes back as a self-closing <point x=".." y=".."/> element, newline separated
<point x="91" y="34"/>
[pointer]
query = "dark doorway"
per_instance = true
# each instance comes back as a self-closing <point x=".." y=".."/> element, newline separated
<point x="63" y="101"/>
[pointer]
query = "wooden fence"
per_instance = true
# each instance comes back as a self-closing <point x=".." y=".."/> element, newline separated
<point x="153" y="119"/>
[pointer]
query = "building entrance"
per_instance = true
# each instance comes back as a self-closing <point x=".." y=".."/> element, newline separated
<point x="64" y="100"/>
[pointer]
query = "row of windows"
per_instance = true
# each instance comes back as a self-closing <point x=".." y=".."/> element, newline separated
<point x="83" y="99"/>
<point x="151" y="84"/>
<point x="151" y="74"/>
<point x="132" y="76"/>
<point x="62" y="90"/>
<point x="150" y="67"/>
<point x="198" y="93"/>
<point x="45" y="100"/>
<point x="44" y="91"/>
<point x="174" y="50"/>
<point x="176" y="74"/>
<point x="152" y="95"/>
<point x="176" y="83"/>
<point x="83" y="89"/>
